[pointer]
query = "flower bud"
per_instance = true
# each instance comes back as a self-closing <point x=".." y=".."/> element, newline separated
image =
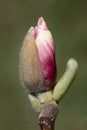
<point x="45" y="45"/>
<point x="37" y="59"/>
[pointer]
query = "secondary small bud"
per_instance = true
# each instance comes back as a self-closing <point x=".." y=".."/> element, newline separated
<point x="66" y="80"/>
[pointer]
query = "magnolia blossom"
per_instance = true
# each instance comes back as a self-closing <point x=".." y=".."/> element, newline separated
<point x="45" y="45"/>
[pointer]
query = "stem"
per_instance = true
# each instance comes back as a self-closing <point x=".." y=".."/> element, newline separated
<point x="48" y="115"/>
<point x="46" y="123"/>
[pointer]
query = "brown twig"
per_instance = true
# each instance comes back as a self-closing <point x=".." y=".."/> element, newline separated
<point x="48" y="115"/>
<point x="46" y="123"/>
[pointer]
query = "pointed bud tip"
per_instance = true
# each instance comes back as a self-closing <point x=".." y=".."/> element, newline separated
<point x="42" y="24"/>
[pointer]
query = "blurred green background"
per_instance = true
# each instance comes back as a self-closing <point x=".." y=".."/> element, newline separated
<point x="67" y="19"/>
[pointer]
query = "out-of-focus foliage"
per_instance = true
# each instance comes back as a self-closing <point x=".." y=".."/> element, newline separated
<point x="67" y="20"/>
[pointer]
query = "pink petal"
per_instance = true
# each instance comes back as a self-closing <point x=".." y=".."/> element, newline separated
<point x="46" y="52"/>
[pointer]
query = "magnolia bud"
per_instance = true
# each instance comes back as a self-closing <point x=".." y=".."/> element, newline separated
<point x="37" y="62"/>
